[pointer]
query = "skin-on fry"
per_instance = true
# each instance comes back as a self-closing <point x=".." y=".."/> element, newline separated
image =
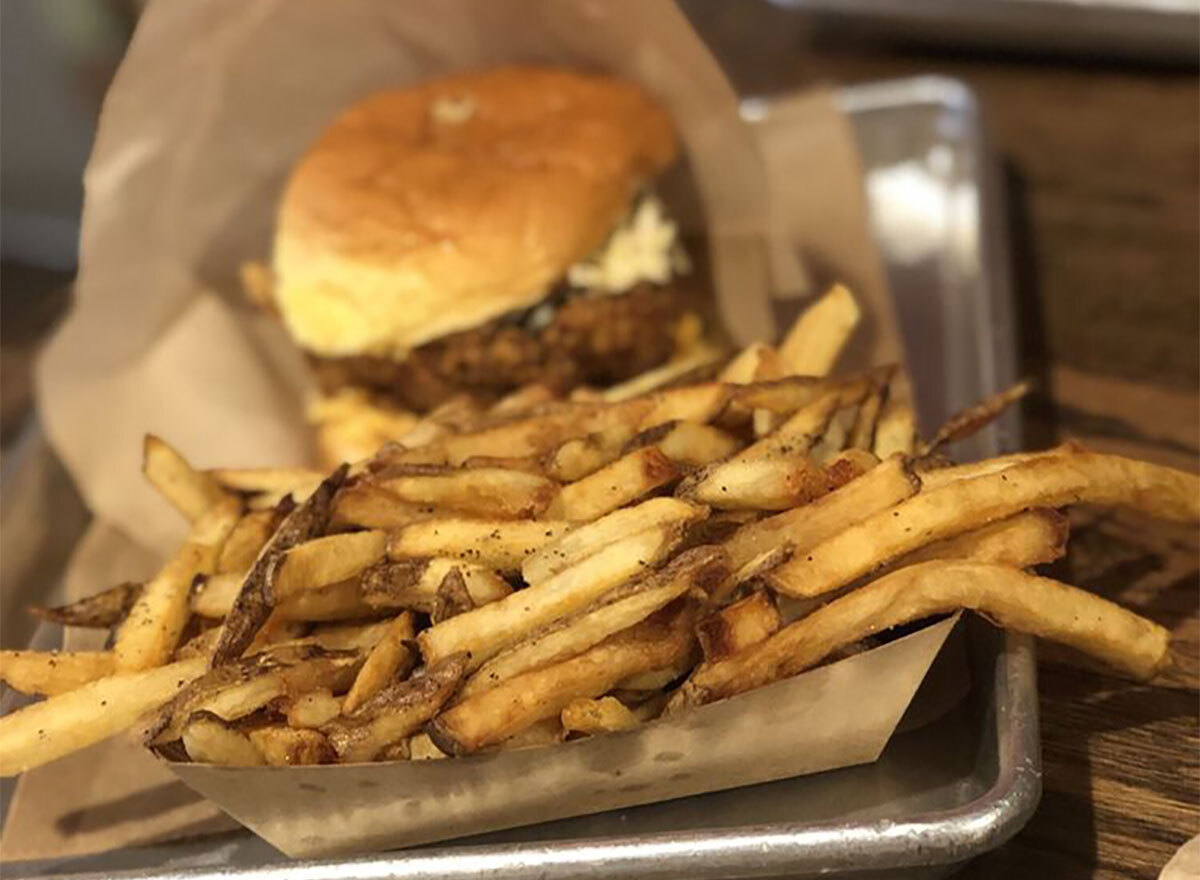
<point x="756" y="361"/>
<point x="605" y="715"/>
<point x="738" y="626"/>
<point x="421" y="748"/>
<point x="452" y="598"/>
<point x="530" y="464"/>
<point x="644" y="383"/>
<point x="689" y="403"/>
<point x="390" y="658"/>
<point x="578" y="457"/>
<point x="414" y="583"/>
<point x="246" y="541"/>
<point x="623" y="607"/>
<point x="625" y="480"/>
<point x="862" y="434"/>
<point x="1034" y="537"/>
<point x="254" y="480"/>
<point x="327" y="560"/>
<point x="313" y="709"/>
<point x="687" y="443"/>
<point x="773" y="482"/>
<point x="192" y="492"/>
<point x="880" y="488"/>
<point x="573" y="547"/>
<point x="521" y="401"/>
<point x="208" y="740"/>
<point x="256" y="598"/>
<point x="150" y="633"/>
<point x="1081" y="478"/>
<point x="1006" y="596"/>
<point x="491" y="492"/>
<point x="39" y="733"/>
<point x="396" y="712"/>
<point x="341" y="601"/>
<point x="970" y="420"/>
<point x="896" y="429"/>
<point x="369" y="506"/>
<point x="100" y="611"/>
<point x="283" y="746"/>
<point x="512" y="706"/>
<point x="53" y="672"/>
<point x="484" y="632"/>
<point x="497" y="544"/>
<point x="547" y="732"/>
<point x="813" y="344"/>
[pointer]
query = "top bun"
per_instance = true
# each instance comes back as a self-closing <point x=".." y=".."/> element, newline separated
<point x="424" y="211"/>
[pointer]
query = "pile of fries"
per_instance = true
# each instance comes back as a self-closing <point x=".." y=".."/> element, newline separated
<point x="548" y="568"/>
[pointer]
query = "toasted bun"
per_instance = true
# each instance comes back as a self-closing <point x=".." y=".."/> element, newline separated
<point x="425" y="211"/>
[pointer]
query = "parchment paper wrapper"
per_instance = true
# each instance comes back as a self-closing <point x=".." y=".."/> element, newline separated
<point x="214" y="102"/>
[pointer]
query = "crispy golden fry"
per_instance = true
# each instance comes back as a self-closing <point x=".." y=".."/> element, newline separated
<point x="246" y="541"/>
<point x="214" y="595"/>
<point x="208" y="740"/>
<point x="245" y="685"/>
<point x="192" y="492"/>
<point x="390" y="658"/>
<point x="772" y="482"/>
<point x="53" y="672"/>
<point x="515" y="704"/>
<point x="862" y="434"/>
<point x="880" y="488"/>
<point x="536" y="435"/>
<point x="752" y="570"/>
<point x="396" y="712"/>
<point x="618" y="610"/>
<point x="1006" y="596"/>
<point x="573" y="547"/>
<point x="530" y="464"/>
<point x="484" y="632"/>
<point x="625" y="480"/>
<point x="150" y="633"/>
<point x="579" y="457"/>
<point x="521" y="401"/>
<point x="687" y="443"/>
<point x="487" y="492"/>
<point x="738" y="626"/>
<point x="62" y="724"/>
<point x="547" y="732"/>
<point x="935" y="473"/>
<point x="199" y="645"/>
<point x="896" y="429"/>
<point x="671" y="371"/>
<point x="288" y="498"/>
<point x="657" y="679"/>
<point x="414" y="583"/>
<point x="256" y="597"/>
<point x="813" y="344"/>
<point x="254" y="480"/>
<point x="605" y="715"/>
<point x="755" y="362"/>
<point x="313" y="709"/>
<point x="369" y="506"/>
<point x="970" y="420"/>
<point x="348" y="636"/>
<point x="688" y="403"/>
<point x="341" y="601"/>
<point x="277" y="630"/>
<point x="1033" y="537"/>
<point x="101" y="611"/>
<point x="497" y="544"/>
<point x="292" y="747"/>
<point x="421" y="748"/>
<point x="1053" y="481"/>
<point x="327" y="560"/>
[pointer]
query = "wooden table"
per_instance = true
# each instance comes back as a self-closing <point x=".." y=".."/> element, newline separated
<point x="1102" y="169"/>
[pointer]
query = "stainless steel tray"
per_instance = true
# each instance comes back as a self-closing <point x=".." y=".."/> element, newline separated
<point x="939" y="794"/>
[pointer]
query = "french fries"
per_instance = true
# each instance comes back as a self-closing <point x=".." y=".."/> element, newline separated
<point x="1007" y="596"/>
<point x="53" y="672"/>
<point x="191" y="491"/>
<point x="1052" y="481"/>
<point x="103" y="610"/>
<point x="493" y="492"/>
<point x="68" y="722"/>
<point x="812" y="346"/>
<point x="484" y="632"/>
<point x="615" y="485"/>
<point x="507" y="577"/>
<point x="504" y="711"/>
<point x="390" y="656"/>
<point x="502" y="545"/>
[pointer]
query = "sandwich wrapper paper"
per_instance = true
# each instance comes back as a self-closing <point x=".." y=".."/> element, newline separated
<point x="211" y="107"/>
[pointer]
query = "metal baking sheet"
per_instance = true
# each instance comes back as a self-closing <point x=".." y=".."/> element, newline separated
<point x="940" y="794"/>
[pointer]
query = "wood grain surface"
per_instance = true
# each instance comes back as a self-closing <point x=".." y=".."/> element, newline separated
<point x="1102" y="163"/>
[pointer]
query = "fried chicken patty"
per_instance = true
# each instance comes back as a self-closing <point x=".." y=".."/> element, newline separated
<point x="586" y="339"/>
